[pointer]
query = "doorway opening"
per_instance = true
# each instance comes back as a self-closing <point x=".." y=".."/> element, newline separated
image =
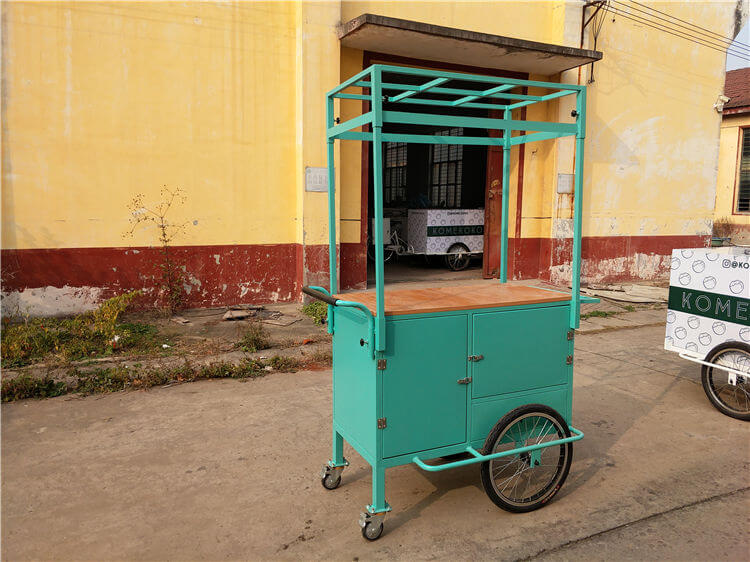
<point x="434" y="198"/>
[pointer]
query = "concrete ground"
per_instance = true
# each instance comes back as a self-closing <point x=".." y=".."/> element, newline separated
<point x="229" y="470"/>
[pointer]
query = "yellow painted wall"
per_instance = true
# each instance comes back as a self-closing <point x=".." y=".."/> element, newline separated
<point x="652" y="145"/>
<point x="106" y="100"/>
<point x="729" y="158"/>
<point x="652" y="141"/>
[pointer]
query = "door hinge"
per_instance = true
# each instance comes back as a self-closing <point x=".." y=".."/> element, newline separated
<point x="467" y="380"/>
<point x="476" y="357"/>
<point x="382" y="423"/>
<point x="571" y="334"/>
<point x="569" y="360"/>
<point x="382" y="364"/>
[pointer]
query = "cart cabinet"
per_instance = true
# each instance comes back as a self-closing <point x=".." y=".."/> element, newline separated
<point x="708" y="321"/>
<point x="452" y="375"/>
<point x="435" y="231"/>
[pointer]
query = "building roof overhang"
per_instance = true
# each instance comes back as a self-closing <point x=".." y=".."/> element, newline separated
<point x="414" y="39"/>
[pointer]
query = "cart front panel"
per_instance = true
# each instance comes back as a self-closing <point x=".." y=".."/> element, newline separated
<point x="423" y="401"/>
<point x="521" y="350"/>
<point x="354" y="380"/>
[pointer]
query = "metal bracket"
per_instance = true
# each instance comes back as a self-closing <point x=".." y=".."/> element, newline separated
<point x="476" y="358"/>
<point x="569" y="360"/>
<point x="467" y="380"/>
<point x="331" y="469"/>
<point x="571" y="334"/>
<point x="382" y="423"/>
<point x="382" y="363"/>
<point x="373" y="518"/>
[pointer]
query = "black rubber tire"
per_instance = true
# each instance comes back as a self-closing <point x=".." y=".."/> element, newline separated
<point x="707" y="378"/>
<point x="332" y="480"/>
<point x="454" y="263"/>
<point x="371" y="533"/>
<point x="387" y="254"/>
<point x="566" y="456"/>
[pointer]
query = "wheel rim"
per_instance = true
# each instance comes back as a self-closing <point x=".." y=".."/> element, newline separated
<point x="513" y="477"/>
<point x="458" y="257"/>
<point x="733" y="397"/>
<point x="373" y="531"/>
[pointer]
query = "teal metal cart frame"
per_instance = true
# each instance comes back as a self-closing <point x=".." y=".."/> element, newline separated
<point x="392" y="399"/>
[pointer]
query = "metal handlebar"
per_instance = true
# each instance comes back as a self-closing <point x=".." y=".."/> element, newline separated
<point x="321" y="294"/>
<point x="317" y="293"/>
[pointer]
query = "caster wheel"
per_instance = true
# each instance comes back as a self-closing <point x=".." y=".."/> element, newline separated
<point x="331" y="480"/>
<point x="372" y="531"/>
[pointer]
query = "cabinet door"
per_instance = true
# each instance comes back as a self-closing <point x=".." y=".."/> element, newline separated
<point x="523" y="349"/>
<point x="423" y="403"/>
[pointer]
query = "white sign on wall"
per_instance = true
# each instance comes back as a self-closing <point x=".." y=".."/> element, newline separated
<point x="565" y="183"/>
<point x="316" y="179"/>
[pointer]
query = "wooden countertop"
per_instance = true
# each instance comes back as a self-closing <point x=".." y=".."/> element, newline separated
<point x="447" y="298"/>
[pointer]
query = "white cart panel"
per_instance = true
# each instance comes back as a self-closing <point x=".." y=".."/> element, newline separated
<point x="433" y="231"/>
<point x="709" y="299"/>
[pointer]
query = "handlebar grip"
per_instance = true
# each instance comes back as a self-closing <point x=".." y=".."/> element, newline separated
<point x="320" y="296"/>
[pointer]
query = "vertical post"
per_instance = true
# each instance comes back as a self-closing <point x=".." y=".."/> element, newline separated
<point x="338" y="449"/>
<point x="575" y="305"/>
<point x="332" y="269"/>
<point x="376" y="94"/>
<point x="505" y="201"/>
<point x="379" y="504"/>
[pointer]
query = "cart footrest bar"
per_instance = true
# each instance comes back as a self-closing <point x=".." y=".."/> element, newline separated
<point x="685" y="355"/>
<point x="479" y="457"/>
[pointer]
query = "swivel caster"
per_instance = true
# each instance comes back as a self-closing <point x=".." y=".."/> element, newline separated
<point x="330" y="476"/>
<point x="372" y="525"/>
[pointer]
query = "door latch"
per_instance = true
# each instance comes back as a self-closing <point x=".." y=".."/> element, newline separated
<point x="382" y="423"/>
<point x="476" y="358"/>
<point x="467" y="380"/>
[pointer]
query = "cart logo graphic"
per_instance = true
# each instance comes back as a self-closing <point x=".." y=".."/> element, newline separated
<point x="456" y="230"/>
<point x="711" y="305"/>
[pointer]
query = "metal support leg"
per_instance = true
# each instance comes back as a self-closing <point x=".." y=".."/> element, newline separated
<point x="372" y="519"/>
<point x="330" y="476"/>
<point x="379" y="505"/>
<point x="338" y="450"/>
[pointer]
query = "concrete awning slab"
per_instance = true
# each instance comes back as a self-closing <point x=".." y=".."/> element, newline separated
<point x="414" y="39"/>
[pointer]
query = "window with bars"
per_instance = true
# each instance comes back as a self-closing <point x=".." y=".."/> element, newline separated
<point x="394" y="174"/>
<point x="446" y="172"/>
<point x="743" y="184"/>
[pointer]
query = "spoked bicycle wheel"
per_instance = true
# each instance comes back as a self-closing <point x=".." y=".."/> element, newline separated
<point x="458" y="257"/>
<point x="526" y="481"/>
<point x="730" y="398"/>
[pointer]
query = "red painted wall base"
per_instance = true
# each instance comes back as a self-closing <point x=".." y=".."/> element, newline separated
<point x="223" y="275"/>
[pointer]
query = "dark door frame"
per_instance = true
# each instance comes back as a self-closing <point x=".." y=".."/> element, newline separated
<point x="368" y="58"/>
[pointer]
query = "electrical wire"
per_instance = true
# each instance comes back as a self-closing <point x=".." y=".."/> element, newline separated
<point x="692" y="39"/>
<point x="677" y="33"/>
<point x="729" y="42"/>
<point x="723" y="37"/>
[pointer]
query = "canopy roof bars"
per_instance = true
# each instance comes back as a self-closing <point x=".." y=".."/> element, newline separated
<point x="433" y="82"/>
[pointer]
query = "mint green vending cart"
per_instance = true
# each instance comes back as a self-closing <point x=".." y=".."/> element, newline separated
<point x="450" y="376"/>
